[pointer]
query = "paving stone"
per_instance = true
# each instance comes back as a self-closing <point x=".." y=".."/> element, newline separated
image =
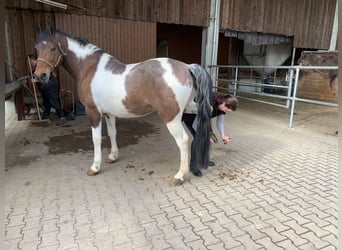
<point x="234" y="230"/>
<point x="48" y="240"/>
<point x="332" y="239"/>
<point x="86" y="243"/>
<point x="267" y="243"/>
<point x="276" y="197"/>
<point x="67" y="241"/>
<point x="247" y="242"/>
<point x="208" y="237"/>
<point x="188" y="235"/>
<point x="197" y="244"/>
<point x="138" y="239"/>
<point x="273" y="234"/>
<point x="218" y="246"/>
<point x="158" y="242"/>
<point x="14" y="232"/>
<point x="299" y="229"/>
<point x="319" y="243"/>
<point x="296" y="239"/>
<point x="179" y="222"/>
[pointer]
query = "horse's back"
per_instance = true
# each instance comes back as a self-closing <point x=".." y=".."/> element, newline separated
<point x="138" y="89"/>
<point x="163" y="84"/>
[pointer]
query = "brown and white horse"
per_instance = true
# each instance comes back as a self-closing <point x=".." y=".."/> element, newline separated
<point x="109" y="88"/>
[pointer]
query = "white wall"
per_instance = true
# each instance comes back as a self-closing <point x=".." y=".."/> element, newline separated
<point x="9" y="108"/>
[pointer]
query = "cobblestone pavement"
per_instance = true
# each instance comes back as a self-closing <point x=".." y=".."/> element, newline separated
<point x="272" y="187"/>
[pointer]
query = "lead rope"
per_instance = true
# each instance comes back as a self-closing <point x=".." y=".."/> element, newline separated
<point x="34" y="88"/>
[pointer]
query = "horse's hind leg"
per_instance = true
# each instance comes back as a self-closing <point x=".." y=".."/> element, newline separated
<point x="111" y="128"/>
<point x="97" y="139"/>
<point x="182" y="139"/>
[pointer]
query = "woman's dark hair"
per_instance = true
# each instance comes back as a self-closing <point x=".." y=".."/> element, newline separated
<point x="32" y="57"/>
<point x="230" y="100"/>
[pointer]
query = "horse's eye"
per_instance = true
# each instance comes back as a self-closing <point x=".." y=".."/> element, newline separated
<point x="52" y="49"/>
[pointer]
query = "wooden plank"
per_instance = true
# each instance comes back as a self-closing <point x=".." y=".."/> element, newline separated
<point x="258" y="7"/>
<point x="187" y="12"/>
<point x="315" y="87"/>
<point x="310" y="24"/>
<point x="309" y="21"/>
<point x="128" y="41"/>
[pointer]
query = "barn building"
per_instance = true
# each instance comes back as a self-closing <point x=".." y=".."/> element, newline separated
<point x="271" y="187"/>
<point x="216" y="32"/>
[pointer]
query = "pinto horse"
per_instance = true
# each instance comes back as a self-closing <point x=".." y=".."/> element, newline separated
<point x="109" y="88"/>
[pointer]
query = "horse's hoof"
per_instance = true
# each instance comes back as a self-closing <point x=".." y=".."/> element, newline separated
<point x="91" y="172"/>
<point x="197" y="172"/>
<point x="109" y="161"/>
<point x="175" y="182"/>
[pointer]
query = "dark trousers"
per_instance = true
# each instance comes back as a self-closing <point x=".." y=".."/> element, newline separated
<point x="188" y="120"/>
<point x="49" y="96"/>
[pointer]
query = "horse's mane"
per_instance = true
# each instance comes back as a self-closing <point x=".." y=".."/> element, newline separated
<point x="47" y="35"/>
<point x="80" y="40"/>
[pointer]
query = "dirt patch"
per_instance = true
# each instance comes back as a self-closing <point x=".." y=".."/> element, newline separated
<point x="233" y="175"/>
<point x="128" y="133"/>
<point x="19" y="161"/>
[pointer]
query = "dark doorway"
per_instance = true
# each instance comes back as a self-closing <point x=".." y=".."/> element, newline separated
<point x="181" y="42"/>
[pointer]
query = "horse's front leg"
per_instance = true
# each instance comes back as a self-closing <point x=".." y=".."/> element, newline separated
<point x="97" y="138"/>
<point x="111" y="128"/>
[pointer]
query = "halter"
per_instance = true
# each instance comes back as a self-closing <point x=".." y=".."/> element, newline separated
<point x="53" y="66"/>
<point x="50" y="64"/>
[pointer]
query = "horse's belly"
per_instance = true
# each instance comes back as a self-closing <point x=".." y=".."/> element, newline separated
<point x="112" y="105"/>
<point x="111" y="102"/>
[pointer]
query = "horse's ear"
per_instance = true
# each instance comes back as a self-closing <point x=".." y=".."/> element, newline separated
<point x="38" y="29"/>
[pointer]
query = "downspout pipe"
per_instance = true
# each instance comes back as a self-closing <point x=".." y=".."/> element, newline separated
<point x="211" y="35"/>
<point x="214" y="71"/>
<point x="333" y="39"/>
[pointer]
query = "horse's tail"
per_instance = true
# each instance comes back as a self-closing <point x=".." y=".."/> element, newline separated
<point x="201" y="143"/>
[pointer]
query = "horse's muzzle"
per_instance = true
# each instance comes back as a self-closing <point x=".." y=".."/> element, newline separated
<point x="43" y="78"/>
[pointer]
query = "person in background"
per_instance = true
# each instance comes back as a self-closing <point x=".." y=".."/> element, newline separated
<point x="221" y="105"/>
<point x="49" y="93"/>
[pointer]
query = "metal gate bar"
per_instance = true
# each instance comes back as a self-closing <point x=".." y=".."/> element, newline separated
<point x="291" y="93"/>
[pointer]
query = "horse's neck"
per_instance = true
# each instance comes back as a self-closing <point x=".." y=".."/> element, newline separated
<point x="77" y="67"/>
<point x="75" y="64"/>
<point x="71" y="67"/>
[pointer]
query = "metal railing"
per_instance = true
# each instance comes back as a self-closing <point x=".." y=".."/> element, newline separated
<point x="279" y="87"/>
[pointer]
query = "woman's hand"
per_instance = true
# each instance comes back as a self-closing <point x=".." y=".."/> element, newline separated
<point x="225" y="139"/>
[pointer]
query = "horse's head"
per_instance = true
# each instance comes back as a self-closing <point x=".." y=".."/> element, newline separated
<point x="49" y="55"/>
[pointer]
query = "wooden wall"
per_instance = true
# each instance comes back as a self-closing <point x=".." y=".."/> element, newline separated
<point x="128" y="41"/>
<point x="315" y="87"/>
<point x="308" y="21"/>
<point x="187" y="12"/>
<point x="22" y="35"/>
<point x="23" y="15"/>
